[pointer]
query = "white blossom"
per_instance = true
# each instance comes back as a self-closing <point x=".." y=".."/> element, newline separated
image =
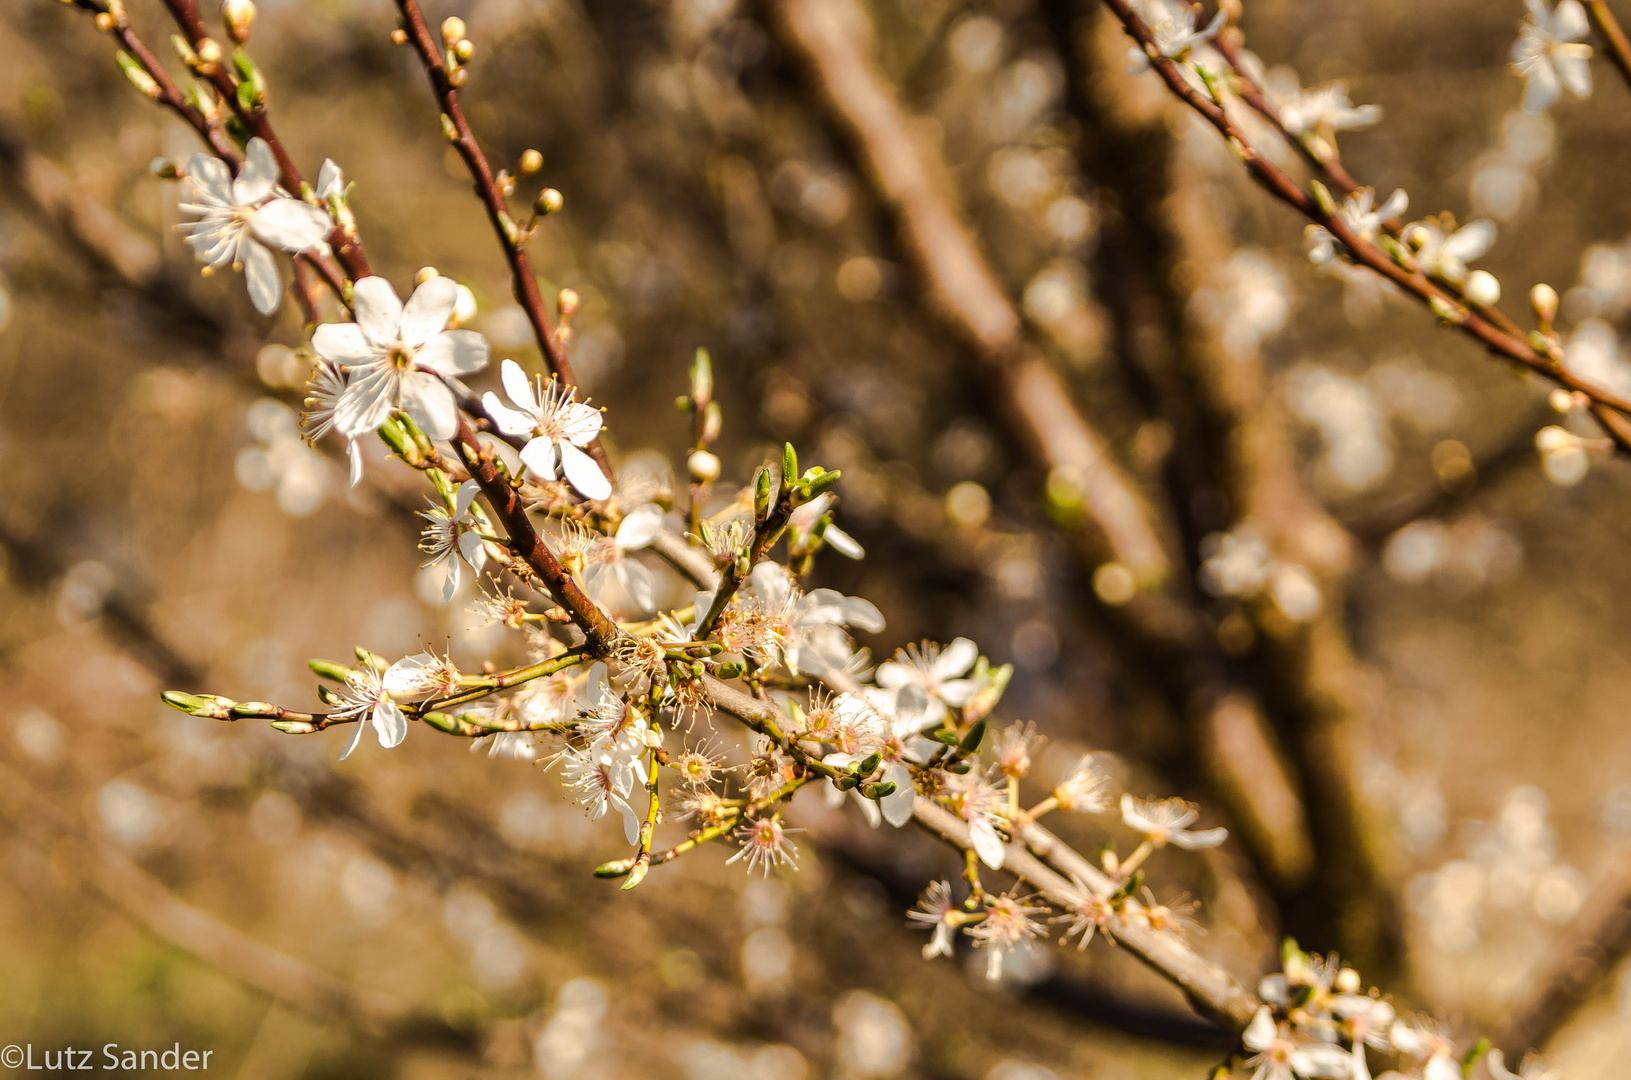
<point x="367" y="695"/>
<point x="805" y="517"/>
<point x="1447" y="256"/>
<point x="237" y="218"/>
<point x="450" y="537"/>
<point x="937" y="912"/>
<point x="600" y="780"/>
<point x="610" y="562"/>
<point x="558" y="426"/>
<point x="1166" y="821"/>
<point x="1324" y="108"/>
<point x="1174" y="27"/>
<point x="326" y="386"/>
<point x="1549" y="55"/>
<point x="1280" y="1057"/>
<point x="398" y="356"/>
<point x="928" y="679"/>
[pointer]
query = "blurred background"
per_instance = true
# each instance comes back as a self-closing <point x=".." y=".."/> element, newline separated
<point x="1398" y="684"/>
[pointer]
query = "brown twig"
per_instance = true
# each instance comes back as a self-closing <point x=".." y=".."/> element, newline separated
<point x="347" y="247"/>
<point x="599" y="631"/>
<point x="1448" y="307"/>
<point x="1619" y="48"/>
<point x="463" y="139"/>
<point x="112" y="19"/>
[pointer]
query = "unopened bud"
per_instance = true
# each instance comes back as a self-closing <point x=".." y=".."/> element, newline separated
<point x="138" y="76"/>
<point x="464" y="307"/>
<point x="452" y="31"/>
<point x="209" y="51"/>
<point x="104" y="21"/>
<point x="712" y="421"/>
<point x="567" y="303"/>
<point x="549" y="201"/>
<point x="1551" y="438"/>
<point x="399" y="36"/>
<point x="1416" y="237"/>
<point x="702" y="377"/>
<point x="1544" y="299"/>
<point x="425" y="274"/>
<point x="880" y="790"/>
<point x="531" y="162"/>
<point x="1483" y="288"/>
<point x="704" y="467"/>
<point x="1347" y="981"/>
<point x="457" y="76"/>
<point x="239" y="15"/>
<point x="464" y="50"/>
<point x="164" y="168"/>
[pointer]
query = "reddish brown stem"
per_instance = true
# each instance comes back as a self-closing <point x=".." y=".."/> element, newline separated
<point x="599" y="631"/>
<point x="347" y="249"/>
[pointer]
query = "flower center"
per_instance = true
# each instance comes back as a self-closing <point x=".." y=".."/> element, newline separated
<point x="401" y="357"/>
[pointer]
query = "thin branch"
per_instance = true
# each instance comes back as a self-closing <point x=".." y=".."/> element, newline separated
<point x="599" y="630"/>
<point x="111" y="18"/>
<point x="1619" y="49"/>
<point x="347" y="247"/>
<point x="1449" y="308"/>
<point x="524" y="283"/>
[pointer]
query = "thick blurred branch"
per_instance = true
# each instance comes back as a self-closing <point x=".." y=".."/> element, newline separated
<point x="1577" y="969"/>
<point x="832" y="39"/>
<point x="147" y="902"/>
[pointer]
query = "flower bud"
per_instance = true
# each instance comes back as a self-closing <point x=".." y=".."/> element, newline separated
<point x="425" y="274"/>
<point x="549" y="201"/>
<point x="164" y="168"/>
<point x="138" y="75"/>
<point x="1416" y="237"/>
<point x="531" y="162"/>
<point x="567" y="303"/>
<point x="452" y="30"/>
<point x="1551" y="438"/>
<point x="704" y="467"/>
<point x="399" y="36"/>
<point x="1544" y="299"/>
<point x="464" y="307"/>
<point x="712" y="421"/>
<point x="1347" y="981"/>
<point x="464" y="50"/>
<point x="209" y="52"/>
<point x="1483" y="288"/>
<point x="239" y="15"/>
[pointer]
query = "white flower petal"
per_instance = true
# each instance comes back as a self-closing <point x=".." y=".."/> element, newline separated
<point x="638" y="528"/>
<point x="474" y="550"/>
<point x="343" y="343"/>
<point x="379" y="310"/>
<point x="892" y="676"/>
<point x="389" y="724"/>
<point x="450" y="584"/>
<point x="1194" y="841"/>
<point x="428" y="309"/>
<point x="257" y="176"/>
<point x="356" y="738"/>
<point x="428" y="400"/>
<point x="539" y="456"/>
<point x="631" y="822"/>
<point x="1573" y="69"/>
<point x="507" y="419"/>
<point x="291" y="225"/>
<point x="987" y="844"/>
<point x="464" y="497"/>
<point x="1471" y="240"/>
<point x="1568" y="21"/>
<point x="636" y="580"/>
<point x="453" y="352"/>
<point x="955" y="659"/>
<point x="580" y="423"/>
<point x="211" y="178"/>
<point x="1261" y="1031"/>
<point x="365" y="404"/>
<point x="330" y="180"/>
<point x="519" y="386"/>
<point x="354" y="453"/>
<point x="583" y="473"/>
<point x="843" y="543"/>
<point x="261" y="275"/>
<point x="897" y="806"/>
